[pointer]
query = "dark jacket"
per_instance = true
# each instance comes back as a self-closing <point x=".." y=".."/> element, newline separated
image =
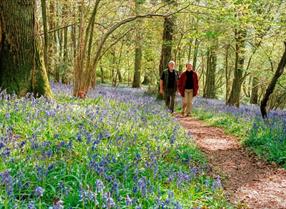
<point x="182" y="83"/>
<point x="166" y="79"/>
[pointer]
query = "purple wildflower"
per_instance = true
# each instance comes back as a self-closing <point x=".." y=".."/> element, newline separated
<point x="39" y="191"/>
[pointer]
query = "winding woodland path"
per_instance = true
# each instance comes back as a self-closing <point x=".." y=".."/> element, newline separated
<point x="247" y="180"/>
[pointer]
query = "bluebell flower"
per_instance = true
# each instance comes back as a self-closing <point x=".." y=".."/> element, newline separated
<point x="39" y="191"/>
<point x="31" y="205"/>
<point x="128" y="201"/>
<point x="79" y="137"/>
<point x="178" y="206"/>
<point x="2" y="144"/>
<point x="7" y="116"/>
<point x="7" y="180"/>
<point x="99" y="186"/>
<point x="21" y="145"/>
<point x="109" y="202"/>
<point x="142" y="186"/>
<point x="217" y="183"/>
<point x="6" y="152"/>
<point x="115" y="188"/>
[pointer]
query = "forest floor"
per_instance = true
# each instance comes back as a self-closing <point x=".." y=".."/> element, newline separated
<point x="249" y="182"/>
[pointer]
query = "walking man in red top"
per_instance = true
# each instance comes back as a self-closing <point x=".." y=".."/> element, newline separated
<point x="188" y="87"/>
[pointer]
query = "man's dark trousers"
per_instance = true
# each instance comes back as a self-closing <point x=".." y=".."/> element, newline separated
<point x="170" y="95"/>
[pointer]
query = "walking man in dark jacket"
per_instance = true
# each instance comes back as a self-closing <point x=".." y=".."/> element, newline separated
<point x="168" y="85"/>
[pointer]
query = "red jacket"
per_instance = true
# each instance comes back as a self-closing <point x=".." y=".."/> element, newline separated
<point x="182" y="83"/>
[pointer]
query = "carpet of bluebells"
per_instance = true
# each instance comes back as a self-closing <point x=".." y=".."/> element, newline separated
<point x="119" y="148"/>
<point x="267" y="138"/>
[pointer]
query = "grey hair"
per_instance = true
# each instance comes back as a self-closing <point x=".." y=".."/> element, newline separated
<point x="172" y="62"/>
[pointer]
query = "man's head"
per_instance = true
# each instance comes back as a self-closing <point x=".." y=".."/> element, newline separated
<point x="171" y="65"/>
<point x="189" y="66"/>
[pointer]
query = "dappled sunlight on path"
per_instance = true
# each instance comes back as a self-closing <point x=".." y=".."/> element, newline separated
<point x="247" y="180"/>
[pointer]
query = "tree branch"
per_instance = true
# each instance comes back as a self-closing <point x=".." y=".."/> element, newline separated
<point x="114" y="43"/>
<point x="125" y="21"/>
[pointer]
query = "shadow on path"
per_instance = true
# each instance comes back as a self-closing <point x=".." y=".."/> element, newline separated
<point x="246" y="179"/>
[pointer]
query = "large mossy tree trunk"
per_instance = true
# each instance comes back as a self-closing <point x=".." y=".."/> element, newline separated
<point x="22" y="69"/>
<point x="234" y="98"/>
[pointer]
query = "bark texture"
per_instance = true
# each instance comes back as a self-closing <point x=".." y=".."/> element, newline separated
<point x="22" y="69"/>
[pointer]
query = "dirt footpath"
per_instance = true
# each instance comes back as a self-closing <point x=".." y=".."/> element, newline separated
<point x="247" y="180"/>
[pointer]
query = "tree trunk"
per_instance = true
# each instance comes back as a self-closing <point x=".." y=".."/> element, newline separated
<point x="73" y="34"/>
<point x="65" y="44"/>
<point x="227" y="72"/>
<point x="102" y="74"/>
<point x="190" y="49"/>
<point x="46" y="35"/>
<point x="196" y="50"/>
<point x="271" y="87"/>
<point x="254" y="91"/>
<point x="52" y="48"/>
<point x="138" y="50"/>
<point x="21" y="65"/>
<point x="60" y="55"/>
<point x="234" y="98"/>
<point x="78" y="91"/>
<point x="137" y="65"/>
<point x="166" y="52"/>
<point x="210" y="91"/>
<point x="146" y="80"/>
<point x="118" y="64"/>
<point x="113" y="65"/>
<point x="85" y="77"/>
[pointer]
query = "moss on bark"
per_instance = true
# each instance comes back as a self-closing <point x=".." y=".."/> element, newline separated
<point x="21" y="65"/>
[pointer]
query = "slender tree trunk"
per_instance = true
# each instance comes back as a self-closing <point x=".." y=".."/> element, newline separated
<point x="202" y="75"/>
<point x="65" y="43"/>
<point x="102" y="74"/>
<point x="166" y="52"/>
<point x="74" y="34"/>
<point x="190" y="49"/>
<point x="254" y="91"/>
<point x="195" y="56"/>
<point x="84" y="75"/>
<point x="21" y="65"/>
<point x="234" y="98"/>
<point x="137" y="65"/>
<point x="227" y="73"/>
<point x="118" y="64"/>
<point x="78" y="67"/>
<point x="138" y="49"/>
<point x="271" y="86"/>
<point x="52" y="49"/>
<point x="60" y="54"/>
<point x="210" y="91"/>
<point x="113" y="62"/>
<point x="46" y="35"/>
